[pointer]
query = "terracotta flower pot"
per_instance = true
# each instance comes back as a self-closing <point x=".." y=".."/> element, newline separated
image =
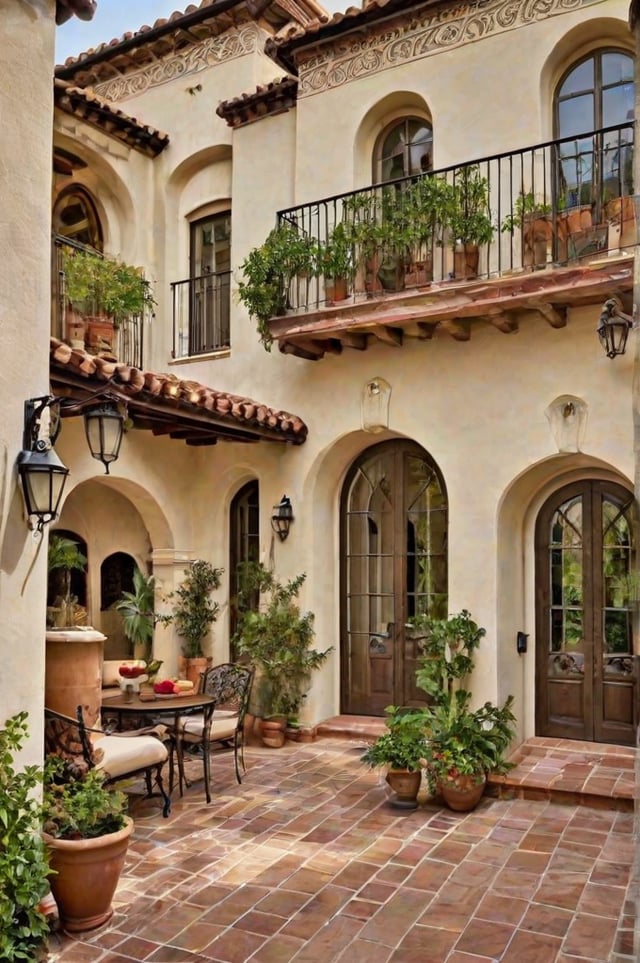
<point x="406" y="785"/>
<point x="86" y="874"/>
<point x="273" y="733"/>
<point x="463" y="793"/>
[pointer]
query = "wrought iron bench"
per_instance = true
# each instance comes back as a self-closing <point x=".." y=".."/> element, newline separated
<point x="119" y="755"/>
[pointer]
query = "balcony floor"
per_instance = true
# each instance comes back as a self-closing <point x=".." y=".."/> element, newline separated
<point x="307" y="861"/>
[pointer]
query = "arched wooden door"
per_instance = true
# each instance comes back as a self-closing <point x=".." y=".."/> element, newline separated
<point x="394" y="565"/>
<point x="586" y="673"/>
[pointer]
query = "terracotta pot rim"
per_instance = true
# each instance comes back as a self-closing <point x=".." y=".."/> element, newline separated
<point x="95" y="842"/>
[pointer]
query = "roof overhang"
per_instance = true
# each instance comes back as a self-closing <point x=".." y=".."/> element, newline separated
<point x="167" y="405"/>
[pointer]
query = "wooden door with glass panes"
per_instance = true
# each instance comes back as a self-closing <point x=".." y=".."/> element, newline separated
<point x="210" y="284"/>
<point x="393" y="566"/>
<point x="586" y="671"/>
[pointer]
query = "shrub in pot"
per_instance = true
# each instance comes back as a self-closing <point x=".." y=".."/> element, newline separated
<point x="64" y="557"/>
<point x="463" y="744"/>
<point x="138" y="615"/>
<point x="193" y="613"/>
<point x="468" y="218"/>
<point x="276" y="639"/>
<point x="86" y="833"/>
<point x="24" y="869"/>
<point x="402" y="750"/>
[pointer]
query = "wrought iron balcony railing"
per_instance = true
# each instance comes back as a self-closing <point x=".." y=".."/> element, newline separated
<point x="81" y="323"/>
<point x="201" y="314"/>
<point x="554" y="204"/>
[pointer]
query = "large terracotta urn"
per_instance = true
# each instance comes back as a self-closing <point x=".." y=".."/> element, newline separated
<point x="73" y="671"/>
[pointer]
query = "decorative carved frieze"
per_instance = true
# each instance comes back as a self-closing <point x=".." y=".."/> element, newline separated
<point x="214" y="50"/>
<point x="418" y="36"/>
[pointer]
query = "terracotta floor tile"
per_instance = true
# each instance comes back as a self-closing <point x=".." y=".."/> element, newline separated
<point x="394" y="918"/>
<point x="551" y="920"/>
<point x="485" y="938"/>
<point x="424" y="943"/>
<point x="279" y="949"/>
<point x="590" y="936"/>
<point x="531" y="948"/>
<point x="430" y="875"/>
<point x="602" y="900"/>
<point x="502" y="909"/>
<point x="283" y="902"/>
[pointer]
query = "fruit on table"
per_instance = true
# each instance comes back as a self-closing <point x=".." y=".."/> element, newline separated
<point x="163" y="688"/>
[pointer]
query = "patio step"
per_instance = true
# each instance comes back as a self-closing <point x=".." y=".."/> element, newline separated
<point x="562" y="770"/>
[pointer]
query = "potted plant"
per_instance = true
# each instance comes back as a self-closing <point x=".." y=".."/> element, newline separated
<point x="63" y="557"/>
<point x="468" y="219"/>
<point x="463" y="745"/>
<point x="335" y="262"/>
<point x="138" y="615"/>
<point x="105" y="290"/>
<point x="532" y="217"/>
<point x="276" y="640"/>
<point x="268" y="271"/>
<point x="194" y="612"/>
<point x="24" y="870"/>
<point x="402" y="749"/>
<point x="86" y="833"/>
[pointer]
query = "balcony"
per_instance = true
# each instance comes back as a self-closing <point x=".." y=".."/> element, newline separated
<point x="201" y="314"/>
<point x="540" y="230"/>
<point x="78" y="315"/>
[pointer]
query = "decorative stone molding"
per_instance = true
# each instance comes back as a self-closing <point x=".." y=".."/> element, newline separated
<point x="567" y="417"/>
<point x="376" y="396"/>
<point x="234" y="43"/>
<point x="417" y="36"/>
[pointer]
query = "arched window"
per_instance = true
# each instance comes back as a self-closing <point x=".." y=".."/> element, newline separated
<point x="75" y="218"/>
<point x="404" y="148"/>
<point x="244" y="543"/>
<point x="116" y="577"/>
<point x="595" y="93"/>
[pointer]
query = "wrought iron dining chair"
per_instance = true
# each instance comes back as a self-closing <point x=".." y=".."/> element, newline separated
<point x="230" y="687"/>
<point x="118" y="755"/>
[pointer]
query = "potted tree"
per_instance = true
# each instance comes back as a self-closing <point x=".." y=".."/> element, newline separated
<point x="193" y="613"/>
<point x="63" y="558"/>
<point x="402" y="750"/>
<point x="138" y="615"/>
<point x="335" y="263"/>
<point x="469" y="219"/>
<point x="24" y="870"/>
<point x="463" y="745"/>
<point x="533" y="218"/>
<point x="268" y="271"/>
<point x="276" y="640"/>
<point x="86" y="833"/>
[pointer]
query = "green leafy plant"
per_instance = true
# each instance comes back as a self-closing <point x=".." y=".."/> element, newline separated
<point x="461" y="742"/>
<point x="23" y="864"/>
<point x="137" y="610"/>
<point x="276" y="639"/>
<point x="525" y="206"/>
<point x="64" y="556"/>
<point x="268" y="271"/>
<point x="194" y="610"/>
<point x="335" y="258"/>
<point x="467" y="208"/>
<point x="404" y="745"/>
<point x="104" y="285"/>
<point x="80" y="808"/>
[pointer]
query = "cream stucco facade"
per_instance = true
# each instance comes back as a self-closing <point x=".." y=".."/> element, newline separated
<point x="477" y="407"/>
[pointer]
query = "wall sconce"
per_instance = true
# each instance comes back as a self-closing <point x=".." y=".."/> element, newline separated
<point x="613" y="328"/>
<point x="282" y="517"/>
<point x="41" y="472"/>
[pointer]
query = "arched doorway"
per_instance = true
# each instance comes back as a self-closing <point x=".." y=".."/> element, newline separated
<point x="586" y="675"/>
<point x="393" y="565"/>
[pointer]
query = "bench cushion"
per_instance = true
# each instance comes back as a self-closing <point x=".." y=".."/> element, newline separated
<point x="122" y="754"/>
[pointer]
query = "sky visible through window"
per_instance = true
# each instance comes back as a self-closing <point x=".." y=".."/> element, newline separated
<point x="113" y="18"/>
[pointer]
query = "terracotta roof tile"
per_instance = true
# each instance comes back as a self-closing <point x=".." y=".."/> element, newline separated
<point x="175" y="396"/>
<point x="273" y="98"/>
<point x="87" y="105"/>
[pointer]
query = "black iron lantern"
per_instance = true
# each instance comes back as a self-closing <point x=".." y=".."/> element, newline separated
<point x="43" y="478"/>
<point x="104" y="428"/>
<point x="613" y="328"/>
<point x="282" y="517"/>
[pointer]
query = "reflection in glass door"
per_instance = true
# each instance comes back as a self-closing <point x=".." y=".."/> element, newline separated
<point x="394" y="565"/>
<point x="586" y="669"/>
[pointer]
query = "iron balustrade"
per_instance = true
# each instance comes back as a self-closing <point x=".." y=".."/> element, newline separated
<point x="201" y="314"/>
<point x="128" y="335"/>
<point x="539" y="207"/>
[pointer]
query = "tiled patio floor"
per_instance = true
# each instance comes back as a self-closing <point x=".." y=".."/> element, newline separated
<point x="307" y="862"/>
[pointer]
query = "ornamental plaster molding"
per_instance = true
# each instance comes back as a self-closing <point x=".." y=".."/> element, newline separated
<point x="421" y="36"/>
<point x="234" y="43"/>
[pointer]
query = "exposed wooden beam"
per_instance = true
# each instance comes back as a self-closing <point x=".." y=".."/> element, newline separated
<point x="295" y="348"/>
<point x="427" y="329"/>
<point x="557" y="317"/>
<point x="505" y="322"/>
<point x="388" y="335"/>
<point x="356" y="341"/>
<point x="457" y="330"/>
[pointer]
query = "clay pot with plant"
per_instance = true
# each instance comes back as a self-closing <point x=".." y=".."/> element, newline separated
<point x="63" y="558"/>
<point x="532" y="218"/>
<point x="86" y="833"/>
<point x="468" y="219"/>
<point x="463" y="745"/>
<point x="193" y="614"/>
<point x="276" y="639"/>
<point x="137" y="609"/>
<point x="402" y="751"/>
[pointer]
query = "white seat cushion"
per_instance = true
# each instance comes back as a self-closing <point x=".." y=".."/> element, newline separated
<point x="125" y="754"/>
<point x="223" y="725"/>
